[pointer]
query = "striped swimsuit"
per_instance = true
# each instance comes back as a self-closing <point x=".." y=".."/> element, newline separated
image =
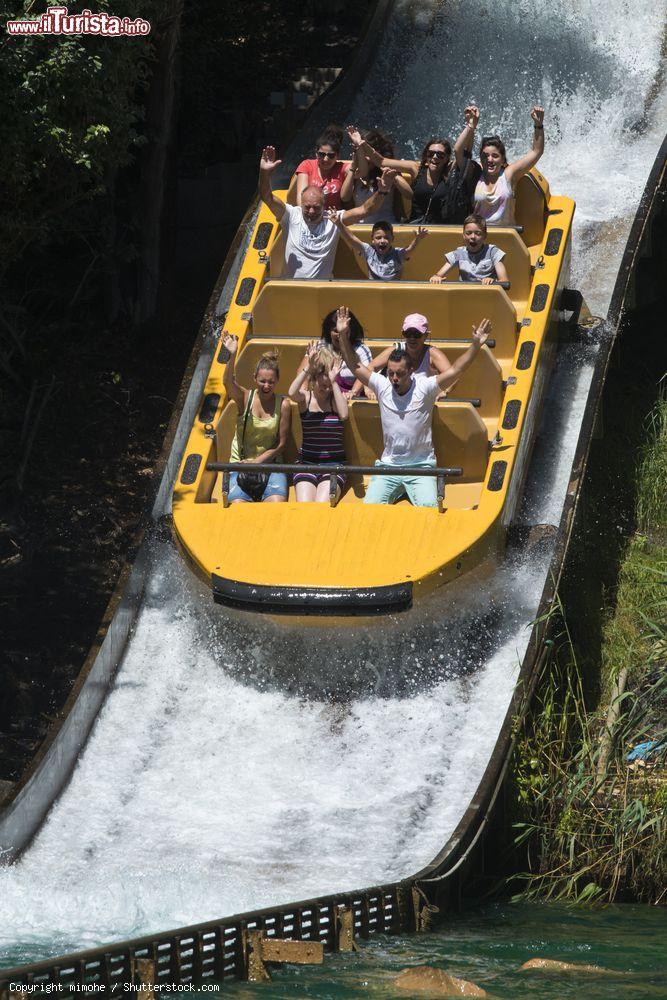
<point x="322" y="444"/>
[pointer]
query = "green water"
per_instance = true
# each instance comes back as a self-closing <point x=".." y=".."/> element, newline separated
<point x="487" y="946"/>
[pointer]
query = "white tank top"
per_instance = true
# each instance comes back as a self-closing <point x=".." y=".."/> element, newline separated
<point x="498" y="205"/>
<point x="425" y="363"/>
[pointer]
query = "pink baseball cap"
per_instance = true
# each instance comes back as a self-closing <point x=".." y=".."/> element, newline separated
<point x="415" y="321"/>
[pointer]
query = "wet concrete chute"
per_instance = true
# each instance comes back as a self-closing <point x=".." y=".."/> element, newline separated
<point x="240" y="761"/>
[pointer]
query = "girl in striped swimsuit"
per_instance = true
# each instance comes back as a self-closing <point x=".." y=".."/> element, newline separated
<point x="323" y="409"/>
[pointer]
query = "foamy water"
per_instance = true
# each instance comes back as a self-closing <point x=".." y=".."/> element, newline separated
<point x="216" y="778"/>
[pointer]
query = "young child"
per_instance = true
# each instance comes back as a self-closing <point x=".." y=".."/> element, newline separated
<point x="383" y="259"/>
<point x="477" y="261"/>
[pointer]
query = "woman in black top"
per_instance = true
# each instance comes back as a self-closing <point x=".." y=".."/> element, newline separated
<point x="441" y="187"/>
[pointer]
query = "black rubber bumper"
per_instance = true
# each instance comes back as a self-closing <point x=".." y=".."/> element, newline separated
<point x="311" y="600"/>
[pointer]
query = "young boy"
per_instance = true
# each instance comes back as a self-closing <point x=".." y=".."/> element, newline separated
<point x="477" y="261"/>
<point x="383" y="259"/>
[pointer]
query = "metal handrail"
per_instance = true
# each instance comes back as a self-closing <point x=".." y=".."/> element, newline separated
<point x="441" y="472"/>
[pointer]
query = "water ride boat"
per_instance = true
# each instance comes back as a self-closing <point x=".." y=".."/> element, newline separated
<point x="354" y="558"/>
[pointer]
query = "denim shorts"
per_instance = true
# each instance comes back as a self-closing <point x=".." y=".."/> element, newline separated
<point x="276" y="487"/>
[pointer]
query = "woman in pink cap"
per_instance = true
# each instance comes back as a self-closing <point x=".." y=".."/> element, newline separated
<point x="426" y="360"/>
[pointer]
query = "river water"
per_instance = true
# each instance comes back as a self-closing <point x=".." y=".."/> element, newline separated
<point x="224" y="773"/>
<point x="487" y="946"/>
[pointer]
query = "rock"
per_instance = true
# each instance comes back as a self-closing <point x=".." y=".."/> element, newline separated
<point x="434" y="982"/>
<point x="551" y="965"/>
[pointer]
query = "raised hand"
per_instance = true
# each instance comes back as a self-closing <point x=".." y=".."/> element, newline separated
<point x="537" y="114"/>
<point x="386" y="179"/>
<point x="354" y="135"/>
<point x="343" y="321"/>
<point x="419" y="233"/>
<point x="312" y="349"/>
<point x="230" y="342"/>
<point x="268" y="162"/>
<point x="481" y="333"/>
<point x="335" y="369"/>
<point x="333" y="215"/>
<point x="471" y="115"/>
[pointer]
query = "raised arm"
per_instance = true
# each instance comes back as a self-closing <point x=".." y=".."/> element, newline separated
<point x="519" y="167"/>
<point x="234" y="390"/>
<point x="409" y="166"/>
<point x="480" y="335"/>
<point x="418" y="235"/>
<point x="267" y="165"/>
<point x="353" y="241"/>
<point x="347" y="187"/>
<point x="352" y="360"/>
<point x="314" y="344"/>
<point x="372" y="204"/>
<point x="296" y="390"/>
<point x="463" y="145"/>
<point x="302" y="181"/>
<point x="339" y="400"/>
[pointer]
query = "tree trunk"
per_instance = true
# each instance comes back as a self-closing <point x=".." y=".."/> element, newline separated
<point x="159" y="121"/>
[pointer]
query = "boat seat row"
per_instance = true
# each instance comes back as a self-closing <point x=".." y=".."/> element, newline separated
<point x="530" y="207"/>
<point x="297" y="308"/>
<point x="482" y="380"/>
<point x="460" y="438"/>
<point x="426" y="259"/>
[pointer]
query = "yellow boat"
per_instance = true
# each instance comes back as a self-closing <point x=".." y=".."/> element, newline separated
<point x="361" y="558"/>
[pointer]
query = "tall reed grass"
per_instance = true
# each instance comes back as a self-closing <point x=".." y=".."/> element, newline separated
<point x="594" y="825"/>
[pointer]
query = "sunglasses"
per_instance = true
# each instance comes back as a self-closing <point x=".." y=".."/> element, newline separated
<point x="438" y="153"/>
<point x="326" y="156"/>
<point x="413" y="334"/>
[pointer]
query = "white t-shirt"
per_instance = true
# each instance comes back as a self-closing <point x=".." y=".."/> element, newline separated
<point x="309" y="250"/>
<point x="406" y="420"/>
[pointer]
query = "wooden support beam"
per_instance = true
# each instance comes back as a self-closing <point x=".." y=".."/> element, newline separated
<point x="345" y="929"/>
<point x="256" y="971"/>
<point x="425" y="912"/>
<point x="260" y="950"/>
<point x="145" y="976"/>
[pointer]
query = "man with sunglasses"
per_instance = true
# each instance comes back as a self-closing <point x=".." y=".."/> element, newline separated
<point x="406" y="411"/>
<point x="312" y="235"/>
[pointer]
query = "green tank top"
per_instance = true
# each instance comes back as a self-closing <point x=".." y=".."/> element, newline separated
<point x="260" y="435"/>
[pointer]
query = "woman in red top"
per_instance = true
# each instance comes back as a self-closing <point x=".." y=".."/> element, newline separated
<point x="326" y="172"/>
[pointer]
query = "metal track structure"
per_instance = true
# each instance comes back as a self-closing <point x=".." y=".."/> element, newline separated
<point x="210" y="953"/>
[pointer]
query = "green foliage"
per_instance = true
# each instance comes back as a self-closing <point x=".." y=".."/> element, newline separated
<point x="72" y="119"/>
<point x="594" y="826"/>
<point x="651" y="506"/>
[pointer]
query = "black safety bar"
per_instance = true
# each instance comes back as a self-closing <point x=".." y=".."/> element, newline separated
<point x="418" y="281"/>
<point x="278" y="338"/>
<point x="441" y="472"/>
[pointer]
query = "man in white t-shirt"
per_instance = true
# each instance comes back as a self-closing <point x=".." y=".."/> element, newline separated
<point x="406" y="410"/>
<point x="312" y="235"/>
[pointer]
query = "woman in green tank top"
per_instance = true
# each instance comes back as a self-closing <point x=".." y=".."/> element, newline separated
<point x="262" y="424"/>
